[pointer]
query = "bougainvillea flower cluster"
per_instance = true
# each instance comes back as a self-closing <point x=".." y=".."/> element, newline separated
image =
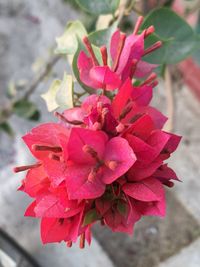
<point x="103" y="161"/>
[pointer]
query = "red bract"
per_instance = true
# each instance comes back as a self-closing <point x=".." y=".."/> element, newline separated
<point x="132" y="102"/>
<point x="126" y="56"/>
<point x="94" y="162"/>
<point x="105" y="159"/>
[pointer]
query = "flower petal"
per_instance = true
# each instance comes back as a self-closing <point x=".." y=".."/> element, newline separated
<point x="55" y="171"/>
<point x="144" y="69"/>
<point x="172" y="143"/>
<point x="115" y="39"/>
<point x="92" y="101"/>
<point x="133" y="49"/>
<point x="30" y="210"/>
<point x="158" y="139"/>
<point x="85" y="65"/>
<point x="142" y="127"/>
<point x="165" y="173"/>
<point x="149" y="189"/>
<point x="80" y="137"/>
<point x="78" y="185"/>
<point x="139" y="171"/>
<point x="142" y="95"/>
<point x="103" y="205"/>
<point x="158" y="118"/>
<point x="49" y="206"/>
<point x="127" y="225"/>
<point x="54" y="230"/>
<point x="48" y="134"/>
<point x="74" y="114"/>
<point x="113" y="219"/>
<point x="106" y="78"/>
<point x="155" y="208"/>
<point x="119" y="151"/>
<point x="144" y="152"/>
<point x="122" y="97"/>
<point x="36" y="182"/>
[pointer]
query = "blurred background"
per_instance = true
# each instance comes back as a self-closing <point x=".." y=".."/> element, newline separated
<point x="27" y="66"/>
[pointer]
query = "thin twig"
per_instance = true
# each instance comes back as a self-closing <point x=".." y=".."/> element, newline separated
<point x="7" y="111"/>
<point x="169" y="99"/>
<point x="80" y="94"/>
<point x="36" y="81"/>
<point x="122" y="10"/>
<point x="192" y="10"/>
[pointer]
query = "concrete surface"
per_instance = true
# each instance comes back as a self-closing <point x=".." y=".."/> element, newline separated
<point x="189" y="256"/>
<point x="154" y="239"/>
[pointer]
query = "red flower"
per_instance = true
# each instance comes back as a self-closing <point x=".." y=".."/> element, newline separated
<point x="120" y="175"/>
<point x="94" y="162"/>
<point x="132" y="102"/>
<point x="104" y="160"/>
<point x="126" y="55"/>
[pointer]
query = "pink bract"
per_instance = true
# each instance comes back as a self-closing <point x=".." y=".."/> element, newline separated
<point x="94" y="162"/>
<point x="126" y="60"/>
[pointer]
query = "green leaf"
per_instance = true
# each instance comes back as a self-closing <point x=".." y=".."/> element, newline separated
<point x="178" y="38"/>
<point x="197" y="28"/>
<point x="25" y="109"/>
<point x="5" y="127"/>
<point x="157" y="57"/>
<point x="122" y="208"/>
<point x="60" y="94"/>
<point x="64" y="95"/>
<point x="196" y="54"/>
<point x="90" y="217"/>
<point x="50" y="96"/>
<point x="98" y="7"/>
<point x="36" y="116"/>
<point x="75" y="68"/>
<point x="12" y="90"/>
<point x="102" y="37"/>
<point x="68" y="43"/>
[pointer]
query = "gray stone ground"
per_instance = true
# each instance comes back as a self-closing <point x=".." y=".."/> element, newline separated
<point x="173" y="241"/>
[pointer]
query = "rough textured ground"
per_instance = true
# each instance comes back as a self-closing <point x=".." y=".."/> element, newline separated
<point x="154" y="239"/>
<point x="27" y="31"/>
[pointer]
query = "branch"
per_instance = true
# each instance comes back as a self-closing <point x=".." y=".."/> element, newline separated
<point x="36" y="81"/>
<point x="7" y="111"/>
<point x="191" y="10"/>
<point x="170" y="100"/>
<point x="122" y="10"/>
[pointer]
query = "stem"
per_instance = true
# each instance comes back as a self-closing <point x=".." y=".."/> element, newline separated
<point x="130" y="7"/>
<point x="7" y="111"/>
<point x="80" y="94"/>
<point x="195" y="8"/>
<point x="41" y="76"/>
<point x="170" y="100"/>
<point x="122" y="10"/>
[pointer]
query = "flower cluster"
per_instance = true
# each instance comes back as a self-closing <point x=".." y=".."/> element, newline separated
<point x="104" y="160"/>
